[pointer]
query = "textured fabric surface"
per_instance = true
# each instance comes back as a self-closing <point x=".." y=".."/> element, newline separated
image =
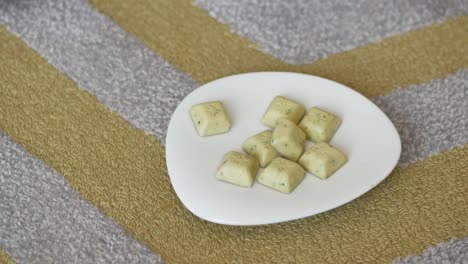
<point x="5" y="258"/>
<point x="43" y="220"/>
<point x="102" y="58"/>
<point x="431" y="117"/>
<point x="454" y="251"/>
<point x="86" y="95"/>
<point x="145" y="90"/>
<point x="210" y="51"/>
<point x="303" y="31"/>
<point x="107" y="161"/>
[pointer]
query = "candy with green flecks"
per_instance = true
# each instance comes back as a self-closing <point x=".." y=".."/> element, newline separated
<point x="282" y="175"/>
<point x="320" y="125"/>
<point x="322" y="160"/>
<point x="210" y="118"/>
<point x="260" y="147"/>
<point x="238" y="169"/>
<point x="288" y="139"/>
<point x="282" y="107"/>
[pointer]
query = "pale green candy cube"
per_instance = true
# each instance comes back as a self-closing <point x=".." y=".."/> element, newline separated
<point x="260" y="147"/>
<point x="238" y="169"/>
<point x="282" y="107"/>
<point x="282" y="175"/>
<point x="322" y="160"/>
<point x="288" y="139"/>
<point x="210" y="118"/>
<point x="320" y="125"/>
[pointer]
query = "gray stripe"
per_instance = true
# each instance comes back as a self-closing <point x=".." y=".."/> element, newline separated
<point x="42" y="220"/>
<point x="454" y="251"/>
<point x="302" y="31"/>
<point x="431" y="117"/>
<point x="102" y="58"/>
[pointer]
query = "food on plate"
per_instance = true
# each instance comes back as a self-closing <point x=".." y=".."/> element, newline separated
<point x="288" y="139"/>
<point x="260" y="147"/>
<point x="282" y="107"/>
<point x="282" y="175"/>
<point x="320" y="125"/>
<point x="277" y="150"/>
<point x="322" y="160"/>
<point x="238" y="168"/>
<point x="210" y="118"/>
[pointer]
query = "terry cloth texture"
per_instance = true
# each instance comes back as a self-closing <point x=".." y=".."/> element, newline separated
<point x="44" y="220"/>
<point x="303" y="31"/>
<point x="453" y="251"/>
<point x="87" y="90"/>
<point x="5" y="258"/>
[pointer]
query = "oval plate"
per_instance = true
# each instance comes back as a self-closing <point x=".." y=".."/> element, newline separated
<point x="366" y="135"/>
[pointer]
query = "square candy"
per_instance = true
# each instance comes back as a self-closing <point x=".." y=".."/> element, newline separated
<point x="238" y="168"/>
<point x="282" y="107"/>
<point x="322" y="160"/>
<point x="282" y="175"/>
<point x="260" y="147"/>
<point x="210" y="118"/>
<point x="320" y="125"/>
<point x="288" y="139"/>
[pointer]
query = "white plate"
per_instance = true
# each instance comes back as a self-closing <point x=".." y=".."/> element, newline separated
<point x="366" y="135"/>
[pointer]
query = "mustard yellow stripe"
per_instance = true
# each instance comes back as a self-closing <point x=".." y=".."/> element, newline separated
<point x="196" y="43"/>
<point x="5" y="258"/>
<point x="122" y="171"/>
